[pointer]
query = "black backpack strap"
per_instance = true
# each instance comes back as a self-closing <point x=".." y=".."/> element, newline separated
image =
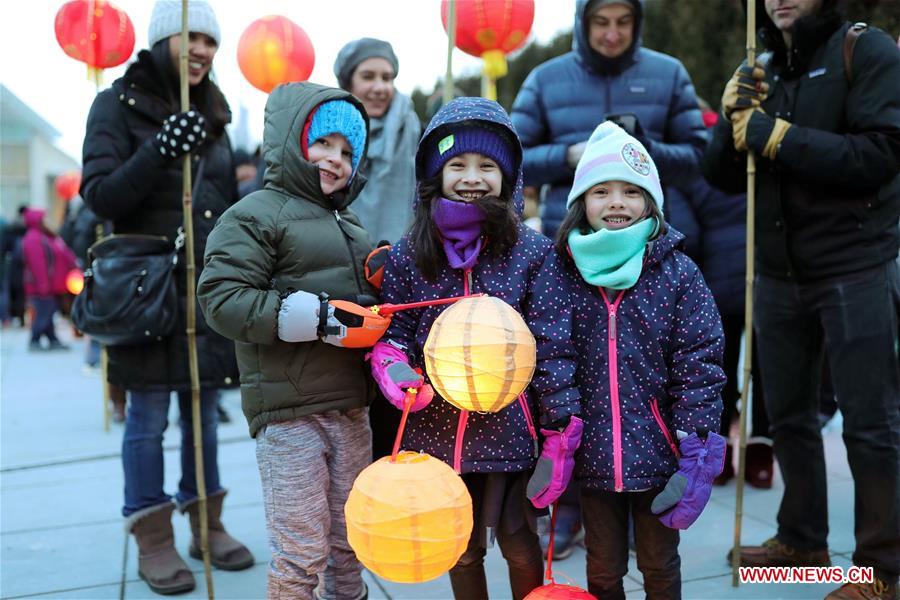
<point x="849" y="43"/>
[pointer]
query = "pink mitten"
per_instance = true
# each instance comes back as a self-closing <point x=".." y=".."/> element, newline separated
<point x="394" y="376"/>
<point x="555" y="465"/>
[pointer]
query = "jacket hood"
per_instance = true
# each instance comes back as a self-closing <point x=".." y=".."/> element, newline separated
<point x="459" y="110"/>
<point x="664" y="245"/>
<point x="287" y="111"/>
<point x="33" y="217"/>
<point x="808" y="33"/>
<point x="593" y="60"/>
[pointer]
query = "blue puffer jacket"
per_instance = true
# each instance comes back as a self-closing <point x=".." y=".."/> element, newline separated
<point x="530" y="280"/>
<point x="665" y="337"/>
<point x="564" y="99"/>
<point x="722" y="242"/>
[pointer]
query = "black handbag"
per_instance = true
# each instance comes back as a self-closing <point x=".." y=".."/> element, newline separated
<point x="129" y="294"/>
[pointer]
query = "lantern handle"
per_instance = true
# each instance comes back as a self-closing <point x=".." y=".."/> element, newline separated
<point x="549" y="574"/>
<point x="389" y="309"/>
<point x="407" y="404"/>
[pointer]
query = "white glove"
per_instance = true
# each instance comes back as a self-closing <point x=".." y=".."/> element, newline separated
<point x="298" y="318"/>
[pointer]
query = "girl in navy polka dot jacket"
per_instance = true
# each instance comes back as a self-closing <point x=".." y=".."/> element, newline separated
<point x="649" y="344"/>
<point x="467" y="237"/>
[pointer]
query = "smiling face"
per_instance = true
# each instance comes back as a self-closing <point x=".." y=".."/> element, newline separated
<point x="614" y="205"/>
<point x="373" y="83"/>
<point x="784" y="13"/>
<point x="332" y="154"/>
<point x="201" y="51"/>
<point x="470" y="176"/>
<point x="611" y="30"/>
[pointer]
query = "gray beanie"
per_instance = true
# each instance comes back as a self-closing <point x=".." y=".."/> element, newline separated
<point x="166" y="20"/>
<point x="357" y="51"/>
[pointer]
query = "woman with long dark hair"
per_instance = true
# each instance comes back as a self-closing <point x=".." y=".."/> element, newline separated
<point x="132" y="175"/>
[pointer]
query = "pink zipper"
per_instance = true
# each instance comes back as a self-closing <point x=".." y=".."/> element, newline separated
<point x="467" y="278"/>
<point x="460" y="434"/>
<point x="654" y="407"/>
<point x="614" y="389"/>
<point x="523" y="402"/>
<point x="463" y="414"/>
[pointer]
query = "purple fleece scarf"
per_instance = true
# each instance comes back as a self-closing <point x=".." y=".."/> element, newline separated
<point x="460" y="227"/>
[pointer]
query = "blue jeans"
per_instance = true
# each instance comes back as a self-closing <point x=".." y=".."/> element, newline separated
<point x="142" y="452"/>
<point x="42" y="325"/>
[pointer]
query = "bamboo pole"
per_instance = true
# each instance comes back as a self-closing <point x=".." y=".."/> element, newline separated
<point x="748" y="320"/>
<point x="191" y="302"/>
<point x="451" y="43"/>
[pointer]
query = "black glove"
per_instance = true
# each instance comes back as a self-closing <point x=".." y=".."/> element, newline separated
<point x="181" y="134"/>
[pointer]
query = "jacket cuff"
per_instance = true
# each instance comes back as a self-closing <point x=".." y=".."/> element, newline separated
<point x="560" y="412"/>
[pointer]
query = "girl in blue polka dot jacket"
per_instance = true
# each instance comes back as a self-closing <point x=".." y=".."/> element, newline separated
<point x="649" y="344"/>
<point x="467" y="237"/>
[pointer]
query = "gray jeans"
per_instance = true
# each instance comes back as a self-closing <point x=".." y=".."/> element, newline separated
<point x="307" y="467"/>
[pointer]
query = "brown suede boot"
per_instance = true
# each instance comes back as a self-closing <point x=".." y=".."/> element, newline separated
<point x="225" y="552"/>
<point x="727" y="473"/>
<point x="773" y="553"/>
<point x="158" y="562"/>
<point x="877" y="590"/>
<point x="760" y="465"/>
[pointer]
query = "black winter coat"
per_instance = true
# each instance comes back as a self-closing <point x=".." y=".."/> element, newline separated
<point x="125" y="180"/>
<point x="829" y="203"/>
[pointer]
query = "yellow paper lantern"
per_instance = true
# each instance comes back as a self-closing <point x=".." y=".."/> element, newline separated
<point x="480" y="354"/>
<point x="408" y="521"/>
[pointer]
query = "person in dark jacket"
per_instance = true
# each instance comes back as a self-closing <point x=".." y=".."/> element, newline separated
<point x="607" y="73"/>
<point x="721" y="230"/>
<point x="467" y="238"/>
<point x="11" y="255"/>
<point x="649" y="344"/>
<point x="272" y="262"/>
<point x="132" y="175"/>
<point x="827" y="142"/>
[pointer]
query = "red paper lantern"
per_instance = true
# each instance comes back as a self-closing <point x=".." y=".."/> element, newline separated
<point x="67" y="184"/>
<point x="490" y="29"/>
<point x="485" y="25"/>
<point x="275" y="50"/>
<point x="95" y="32"/>
<point x="558" y="591"/>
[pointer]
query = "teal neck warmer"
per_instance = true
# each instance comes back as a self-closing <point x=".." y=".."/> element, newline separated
<point x="611" y="258"/>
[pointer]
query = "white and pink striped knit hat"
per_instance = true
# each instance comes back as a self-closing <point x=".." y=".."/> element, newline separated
<point x="613" y="155"/>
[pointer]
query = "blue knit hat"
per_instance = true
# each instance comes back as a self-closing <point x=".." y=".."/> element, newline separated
<point x="339" y="116"/>
<point x="471" y="136"/>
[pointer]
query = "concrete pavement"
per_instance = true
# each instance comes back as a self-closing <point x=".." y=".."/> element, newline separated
<point x="62" y="536"/>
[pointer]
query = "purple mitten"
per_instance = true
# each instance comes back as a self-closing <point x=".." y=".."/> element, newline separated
<point x="554" y="467"/>
<point x="687" y="492"/>
<point x="394" y="376"/>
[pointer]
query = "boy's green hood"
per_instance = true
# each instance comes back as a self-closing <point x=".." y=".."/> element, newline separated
<point x="287" y="110"/>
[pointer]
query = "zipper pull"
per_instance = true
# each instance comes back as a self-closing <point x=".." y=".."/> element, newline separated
<point x="337" y="217"/>
<point x="612" y="324"/>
